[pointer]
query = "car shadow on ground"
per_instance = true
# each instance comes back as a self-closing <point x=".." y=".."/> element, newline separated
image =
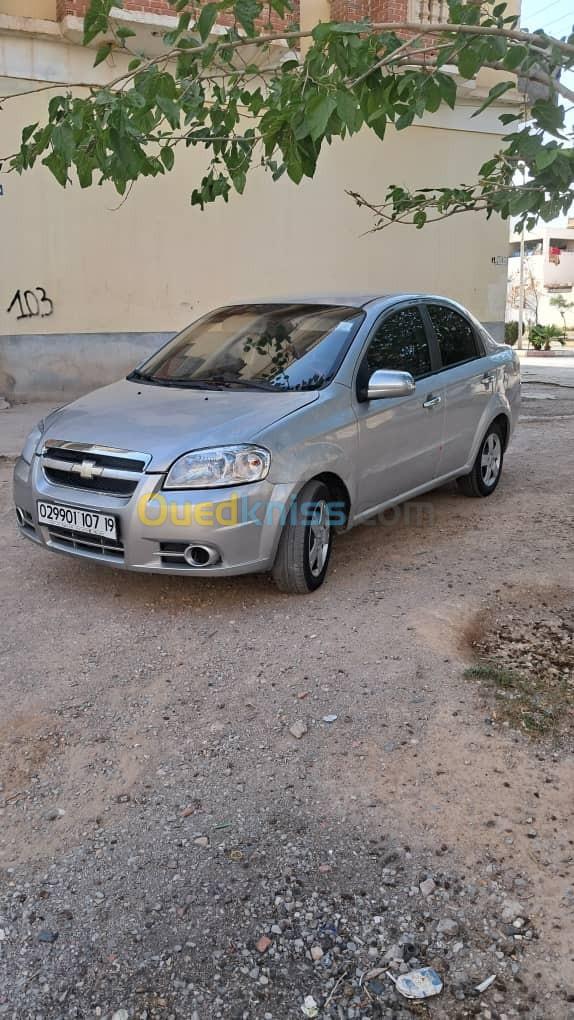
<point x="399" y="531"/>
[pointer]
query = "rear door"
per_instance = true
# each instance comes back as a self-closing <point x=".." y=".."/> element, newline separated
<point x="399" y="437"/>
<point x="467" y="379"/>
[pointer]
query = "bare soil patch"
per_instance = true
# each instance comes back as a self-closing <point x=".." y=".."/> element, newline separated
<point x="524" y="645"/>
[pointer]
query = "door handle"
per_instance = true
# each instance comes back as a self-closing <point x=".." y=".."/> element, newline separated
<point x="486" y="379"/>
<point x="432" y="401"/>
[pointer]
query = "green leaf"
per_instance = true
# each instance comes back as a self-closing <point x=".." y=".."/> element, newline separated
<point x="545" y="158"/>
<point x="28" y="132"/>
<point x="123" y="32"/>
<point x="103" y="54"/>
<point x="58" y="167"/>
<point x="433" y="97"/>
<point x="85" y="172"/>
<point x="170" y="110"/>
<point x="447" y="88"/>
<point x="521" y="201"/>
<point x="63" y="141"/>
<point x="548" y="115"/>
<point x="514" y="57"/>
<point x="494" y="94"/>
<point x="468" y="62"/>
<point x="134" y="64"/>
<point x="319" y="109"/>
<point x="348" y="110"/>
<point x="239" y="179"/>
<point x="206" y="20"/>
<point x="167" y="156"/>
<point x="322" y="31"/>
<point x="246" y="11"/>
<point x="405" y="120"/>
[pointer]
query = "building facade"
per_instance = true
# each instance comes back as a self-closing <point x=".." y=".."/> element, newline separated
<point x="548" y="273"/>
<point x="90" y="284"/>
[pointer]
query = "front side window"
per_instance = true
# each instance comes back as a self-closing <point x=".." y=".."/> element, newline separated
<point x="400" y="343"/>
<point x="454" y="334"/>
<point x="257" y="346"/>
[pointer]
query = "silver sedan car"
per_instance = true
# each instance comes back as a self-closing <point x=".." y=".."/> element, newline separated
<point x="259" y="431"/>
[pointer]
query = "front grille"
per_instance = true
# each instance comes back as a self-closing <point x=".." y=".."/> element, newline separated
<point x="93" y="468"/>
<point x="96" y="545"/>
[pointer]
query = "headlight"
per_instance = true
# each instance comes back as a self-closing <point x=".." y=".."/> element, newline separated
<point x="31" y="444"/>
<point x="222" y="465"/>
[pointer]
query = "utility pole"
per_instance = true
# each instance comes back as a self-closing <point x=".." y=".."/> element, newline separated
<point x="521" y="292"/>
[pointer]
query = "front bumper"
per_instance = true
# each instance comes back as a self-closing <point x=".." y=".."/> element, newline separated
<point x="242" y="525"/>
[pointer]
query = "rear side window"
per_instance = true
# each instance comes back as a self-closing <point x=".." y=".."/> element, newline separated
<point x="400" y="343"/>
<point x="454" y="334"/>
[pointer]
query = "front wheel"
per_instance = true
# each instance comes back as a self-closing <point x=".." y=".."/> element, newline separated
<point x="487" y="468"/>
<point x="305" y="544"/>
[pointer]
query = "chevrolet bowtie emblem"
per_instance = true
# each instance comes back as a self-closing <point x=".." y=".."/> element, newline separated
<point x="88" y="469"/>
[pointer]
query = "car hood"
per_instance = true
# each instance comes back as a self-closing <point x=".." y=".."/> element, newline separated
<point x="165" y="422"/>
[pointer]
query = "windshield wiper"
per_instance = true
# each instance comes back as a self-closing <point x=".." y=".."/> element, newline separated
<point x="249" y="384"/>
<point x="139" y="376"/>
<point x="182" y="384"/>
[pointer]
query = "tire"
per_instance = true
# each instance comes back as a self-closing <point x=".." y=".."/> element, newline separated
<point x="487" y="468"/>
<point x="305" y="547"/>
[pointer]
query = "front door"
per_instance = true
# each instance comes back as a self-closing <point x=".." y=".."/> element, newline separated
<point x="399" y="437"/>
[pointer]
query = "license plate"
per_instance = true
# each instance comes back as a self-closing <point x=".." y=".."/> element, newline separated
<point x="90" y="522"/>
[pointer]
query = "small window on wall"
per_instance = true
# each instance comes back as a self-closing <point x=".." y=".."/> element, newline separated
<point x="400" y="344"/>
<point x="454" y="334"/>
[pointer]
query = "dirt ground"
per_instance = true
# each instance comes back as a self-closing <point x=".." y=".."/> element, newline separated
<point x="144" y="734"/>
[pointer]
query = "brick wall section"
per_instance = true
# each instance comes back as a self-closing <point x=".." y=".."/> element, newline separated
<point x="79" y="8"/>
<point x="373" y="10"/>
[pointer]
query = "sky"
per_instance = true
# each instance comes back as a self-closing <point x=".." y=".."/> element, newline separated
<point x="555" y="17"/>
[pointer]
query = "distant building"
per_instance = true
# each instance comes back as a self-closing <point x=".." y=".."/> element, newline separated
<point x="548" y="271"/>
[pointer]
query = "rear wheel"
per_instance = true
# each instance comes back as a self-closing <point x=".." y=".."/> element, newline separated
<point x="487" y="468"/>
<point x="305" y="544"/>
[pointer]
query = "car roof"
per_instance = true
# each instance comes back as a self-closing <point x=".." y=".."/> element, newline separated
<point x="351" y="300"/>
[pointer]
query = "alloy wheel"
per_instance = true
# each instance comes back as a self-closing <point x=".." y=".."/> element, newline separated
<point x="319" y="537"/>
<point x="491" y="459"/>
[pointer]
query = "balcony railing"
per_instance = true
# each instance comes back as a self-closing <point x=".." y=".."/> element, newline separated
<point x="428" y="12"/>
<point x="431" y="12"/>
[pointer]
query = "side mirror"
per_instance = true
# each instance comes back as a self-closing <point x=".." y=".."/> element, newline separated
<point x="385" y="383"/>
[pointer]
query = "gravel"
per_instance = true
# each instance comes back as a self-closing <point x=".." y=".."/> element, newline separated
<point x="170" y="850"/>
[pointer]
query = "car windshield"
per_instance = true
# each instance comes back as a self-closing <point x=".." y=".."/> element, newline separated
<point x="262" y="346"/>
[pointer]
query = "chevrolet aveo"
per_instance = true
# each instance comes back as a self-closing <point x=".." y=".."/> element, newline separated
<point x="259" y="431"/>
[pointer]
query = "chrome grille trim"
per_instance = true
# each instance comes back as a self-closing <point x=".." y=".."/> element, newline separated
<point x="93" y="468"/>
<point x="93" y="545"/>
<point x="75" y="468"/>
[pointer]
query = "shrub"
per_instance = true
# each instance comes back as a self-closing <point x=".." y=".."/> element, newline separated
<point x="541" y="337"/>
<point x="510" y="333"/>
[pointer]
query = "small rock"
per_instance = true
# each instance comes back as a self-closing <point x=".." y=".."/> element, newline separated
<point x="120" y="1014"/>
<point x="263" y="944"/>
<point x="512" y="909"/>
<point x="448" y="926"/>
<point x="427" y="887"/>
<point x="298" y="729"/>
<point x="316" y="953"/>
<point x="45" y="935"/>
<point x="202" y="841"/>
<point x="330" y="718"/>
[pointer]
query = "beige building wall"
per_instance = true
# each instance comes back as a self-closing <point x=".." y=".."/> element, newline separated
<point x="44" y="9"/>
<point x="154" y="261"/>
<point x="90" y="283"/>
